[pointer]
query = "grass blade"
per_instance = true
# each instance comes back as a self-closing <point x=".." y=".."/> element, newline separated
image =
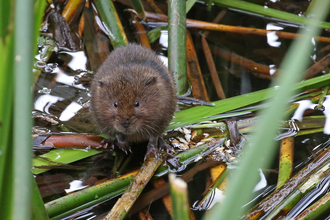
<point x="38" y="208"/>
<point x="200" y="113"/>
<point x="23" y="50"/>
<point x="269" y="12"/>
<point x="112" y="22"/>
<point x="6" y="108"/>
<point x="59" y="157"/>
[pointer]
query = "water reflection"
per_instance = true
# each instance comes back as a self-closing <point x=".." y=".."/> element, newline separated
<point x="70" y="111"/>
<point x="262" y="183"/>
<point x="272" y="39"/>
<point x="57" y="91"/>
<point x="163" y="40"/>
<point x="79" y="60"/>
<point x="303" y="106"/>
<point x="216" y="196"/>
<point x="75" y="185"/>
<point x="306" y="105"/>
<point x="44" y="102"/>
<point x="326" y="112"/>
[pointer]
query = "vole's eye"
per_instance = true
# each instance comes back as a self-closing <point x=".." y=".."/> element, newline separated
<point x="101" y="84"/>
<point x="137" y="104"/>
<point x="115" y="104"/>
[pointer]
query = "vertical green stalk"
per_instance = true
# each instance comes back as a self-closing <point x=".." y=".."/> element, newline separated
<point x="259" y="154"/>
<point x="177" y="58"/>
<point x="179" y="196"/>
<point x="4" y="18"/>
<point x="23" y="54"/>
<point x="6" y="105"/>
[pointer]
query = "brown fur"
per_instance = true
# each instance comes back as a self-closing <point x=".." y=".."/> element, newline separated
<point x="133" y="74"/>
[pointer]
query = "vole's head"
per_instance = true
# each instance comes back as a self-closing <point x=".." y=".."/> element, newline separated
<point x="133" y="100"/>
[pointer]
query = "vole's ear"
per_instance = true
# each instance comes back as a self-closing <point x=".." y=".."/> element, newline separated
<point x="151" y="81"/>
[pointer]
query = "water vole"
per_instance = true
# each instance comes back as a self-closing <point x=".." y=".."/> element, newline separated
<point x="133" y="97"/>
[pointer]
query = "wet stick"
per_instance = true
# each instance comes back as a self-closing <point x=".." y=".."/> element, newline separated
<point x="141" y="32"/>
<point x="213" y="70"/>
<point x="286" y="160"/>
<point x="70" y="9"/>
<point x="124" y="204"/>
<point x="194" y="72"/>
<point x="155" y="7"/>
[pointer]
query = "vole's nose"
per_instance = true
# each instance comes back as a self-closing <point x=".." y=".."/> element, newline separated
<point x="125" y="123"/>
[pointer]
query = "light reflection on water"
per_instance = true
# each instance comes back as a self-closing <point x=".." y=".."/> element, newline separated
<point x="326" y="112"/>
<point x="65" y="79"/>
<point x="79" y="60"/>
<point x="217" y="195"/>
<point x="272" y="38"/>
<point x="44" y="102"/>
<point x="306" y="105"/>
<point x="70" y="111"/>
<point x="75" y="185"/>
<point x="303" y="106"/>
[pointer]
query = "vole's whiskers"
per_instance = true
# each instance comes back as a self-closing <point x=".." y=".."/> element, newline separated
<point x="153" y="125"/>
<point x="152" y="128"/>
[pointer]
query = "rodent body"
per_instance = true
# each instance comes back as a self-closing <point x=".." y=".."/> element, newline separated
<point x="133" y="95"/>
